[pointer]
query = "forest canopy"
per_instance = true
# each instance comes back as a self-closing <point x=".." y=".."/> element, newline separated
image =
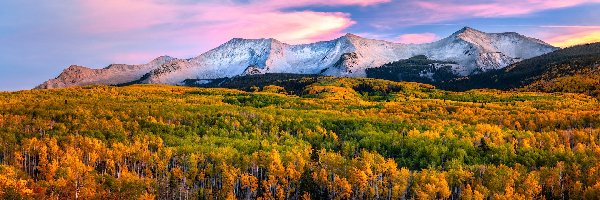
<point x="333" y="138"/>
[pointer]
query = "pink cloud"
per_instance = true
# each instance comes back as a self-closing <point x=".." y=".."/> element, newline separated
<point x="218" y="21"/>
<point x="444" y="11"/>
<point x="205" y="24"/>
<point x="294" y="27"/>
<point x="417" y="38"/>
<point x="294" y="3"/>
<point x="566" y="36"/>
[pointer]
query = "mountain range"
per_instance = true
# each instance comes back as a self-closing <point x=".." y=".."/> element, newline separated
<point x="464" y="53"/>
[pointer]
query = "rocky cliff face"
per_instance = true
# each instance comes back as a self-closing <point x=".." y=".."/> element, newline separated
<point x="474" y="51"/>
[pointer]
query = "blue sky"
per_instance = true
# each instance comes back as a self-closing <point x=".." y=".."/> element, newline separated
<point x="38" y="39"/>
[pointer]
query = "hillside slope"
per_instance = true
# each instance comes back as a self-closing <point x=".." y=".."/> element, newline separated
<point x="416" y="69"/>
<point x="574" y="69"/>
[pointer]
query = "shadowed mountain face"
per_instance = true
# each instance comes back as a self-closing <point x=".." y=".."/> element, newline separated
<point x="471" y="52"/>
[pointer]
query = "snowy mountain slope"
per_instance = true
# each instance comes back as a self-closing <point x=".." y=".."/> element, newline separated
<point x="476" y="51"/>
<point x="245" y="56"/>
<point x="473" y="51"/>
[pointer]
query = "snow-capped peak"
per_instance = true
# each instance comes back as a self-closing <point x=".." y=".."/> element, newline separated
<point x="162" y="59"/>
<point x="468" y="30"/>
<point x="350" y="36"/>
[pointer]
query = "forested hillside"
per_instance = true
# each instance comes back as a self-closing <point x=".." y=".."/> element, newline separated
<point x="335" y="138"/>
<point x="415" y="69"/>
<point x="575" y="69"/>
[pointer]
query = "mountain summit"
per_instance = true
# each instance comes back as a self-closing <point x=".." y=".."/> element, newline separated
<point x="472" y="50"/>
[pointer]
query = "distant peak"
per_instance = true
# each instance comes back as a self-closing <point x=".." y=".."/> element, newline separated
<point x="73" y="68"/>
<point x="468" y="32"/>
<point x="246" y="39"/>
<point x="165" y="57"/>
<point x="236" y="40"/>
<point x="275" y="40"/>
<point x="351" y="35"/>
<point x="162" y="59"/>
<point x="467" y="29"/>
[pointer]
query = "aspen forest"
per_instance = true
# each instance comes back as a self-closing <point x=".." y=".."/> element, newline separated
<point x="330" y="138"/>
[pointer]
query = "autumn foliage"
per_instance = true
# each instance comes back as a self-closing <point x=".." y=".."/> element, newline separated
<point x="338" y="139"/>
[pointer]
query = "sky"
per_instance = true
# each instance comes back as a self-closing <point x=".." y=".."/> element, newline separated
<point x="38" y="39"/>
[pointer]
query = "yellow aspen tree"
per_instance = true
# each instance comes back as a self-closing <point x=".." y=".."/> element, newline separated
<point x="230" y="176"/>
<point x="431" y="184"/>
<point x="13" y="187"/>
<point x="249" y="183"/>
<point x="342" y="188"/>
<point x="530" y="186"/>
